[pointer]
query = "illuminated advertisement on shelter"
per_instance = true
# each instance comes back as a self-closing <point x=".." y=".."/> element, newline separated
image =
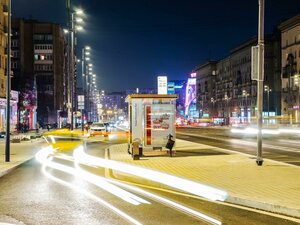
<point x="159" y="123"/>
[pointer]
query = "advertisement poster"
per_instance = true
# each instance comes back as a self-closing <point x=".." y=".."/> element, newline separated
<point x="190" y="93"/>
<point x="162" y="85"/>
<point x="159" y="121"/>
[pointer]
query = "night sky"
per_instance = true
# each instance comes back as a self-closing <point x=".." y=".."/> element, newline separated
<point x="133" y="41"/>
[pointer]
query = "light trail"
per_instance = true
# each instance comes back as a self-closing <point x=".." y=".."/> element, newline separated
<point x="96" y="180"/>
<point x="43" y="157"/>
<point x="168" y="202"/>
<point x="165" y="201"/>
<point x="250" y="130"/>
<point x="79" y="173"/>
<point x="176" y="182"/>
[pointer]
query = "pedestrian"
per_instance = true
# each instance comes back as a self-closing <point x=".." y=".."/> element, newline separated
<point x="87" y="128"/>
<point x="48" y="126"/>
<point x="37" y="127"/>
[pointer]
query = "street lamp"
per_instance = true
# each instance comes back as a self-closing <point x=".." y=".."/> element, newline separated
<point x="72" y="80"/>
<point x="8" y="70"/>
<point x="268" y="90"/>
<point x="212" y="100"/>
<point x="246" y="94"/>
<point x="228" y="111"/>
<point x="84" y="52"/>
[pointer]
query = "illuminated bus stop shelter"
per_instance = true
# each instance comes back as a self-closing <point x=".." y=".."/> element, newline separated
<point x="151" y="120"/>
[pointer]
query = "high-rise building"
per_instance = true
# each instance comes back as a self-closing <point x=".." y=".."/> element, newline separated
<point x="38" y="63"/>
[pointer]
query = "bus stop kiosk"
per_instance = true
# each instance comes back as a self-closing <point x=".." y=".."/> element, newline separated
<point x="151" y="122"/>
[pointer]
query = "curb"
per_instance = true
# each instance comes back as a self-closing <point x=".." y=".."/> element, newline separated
<point x="274" y="208"/>
<point x="265" y="206"/>
<point x="7" y="171"/>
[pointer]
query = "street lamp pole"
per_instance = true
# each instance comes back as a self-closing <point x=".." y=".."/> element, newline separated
<point x="245" y="94"/>
<point x="8" y="68"/>
<point x="259" y="160"/>
<point x="72" y="82"/>
<point x="227" y="109"/>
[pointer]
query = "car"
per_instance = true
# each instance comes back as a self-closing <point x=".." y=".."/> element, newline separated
<point x="2" y="134"/>
<point x="97" y="128"/>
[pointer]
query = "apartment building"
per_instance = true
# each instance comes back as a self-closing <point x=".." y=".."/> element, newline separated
<point x="3" y="72"/>
<point x="225" y="90"/>
<point x="38" y="63"/>
<point x="206" y="89"/>
<point x="290" y="63"/>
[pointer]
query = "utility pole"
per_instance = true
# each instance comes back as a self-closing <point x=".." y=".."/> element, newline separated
<point x="7" y="136"/>
<point x="72" y="80"/>
<point x="261" y="3"/>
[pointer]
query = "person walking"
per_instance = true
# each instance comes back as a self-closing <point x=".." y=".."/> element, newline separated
<point x="37" y="127"/>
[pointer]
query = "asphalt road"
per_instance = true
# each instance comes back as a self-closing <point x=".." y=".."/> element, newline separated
<point x="283" y="148"/>
<point x="51" y="194"/>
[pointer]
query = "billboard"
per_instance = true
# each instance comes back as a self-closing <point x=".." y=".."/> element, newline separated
<point x="171" y="87"/>
<point x="190" y="93"/>
<point x="162" y="85"/>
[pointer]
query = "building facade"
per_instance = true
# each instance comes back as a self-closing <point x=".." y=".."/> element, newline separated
<point x="3" y="73"/>
<point x="38" y="63"/>
<point x="206" y="89"/>
<point x="290" y="63"/>
<point x="226" y="92"/>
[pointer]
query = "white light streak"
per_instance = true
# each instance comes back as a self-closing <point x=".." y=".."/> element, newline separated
<point x="43" y="157"/>
<point x="168" y="202"/>
<point x="90" y="195"/>
<point x="100" y="182"/>
<point x="79" y="173"/>
<point x="176" y="182"/>
<point x="250" y="130"/>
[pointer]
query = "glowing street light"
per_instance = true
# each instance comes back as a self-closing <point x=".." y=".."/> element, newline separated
<point x="267" y="89"/>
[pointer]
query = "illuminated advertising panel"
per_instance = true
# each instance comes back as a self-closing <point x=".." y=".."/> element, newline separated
<point x="162" y="85"/>
<point x="159" y="123"/>
<point x="171" y="88"/>
<point x="190" y="93"/>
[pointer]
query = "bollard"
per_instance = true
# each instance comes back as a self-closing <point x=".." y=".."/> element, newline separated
<point x="135" y="150"/>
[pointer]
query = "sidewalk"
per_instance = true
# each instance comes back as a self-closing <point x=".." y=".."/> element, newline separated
<point x="273" y="187"/>
<point x="19" y="154"/>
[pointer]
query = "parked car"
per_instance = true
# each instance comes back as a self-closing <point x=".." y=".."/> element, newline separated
<point x="97" y="129"/>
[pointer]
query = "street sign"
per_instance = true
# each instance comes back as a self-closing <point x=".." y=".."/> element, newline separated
<point x="80" y="101"/>
<point x="254" y="62"/>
